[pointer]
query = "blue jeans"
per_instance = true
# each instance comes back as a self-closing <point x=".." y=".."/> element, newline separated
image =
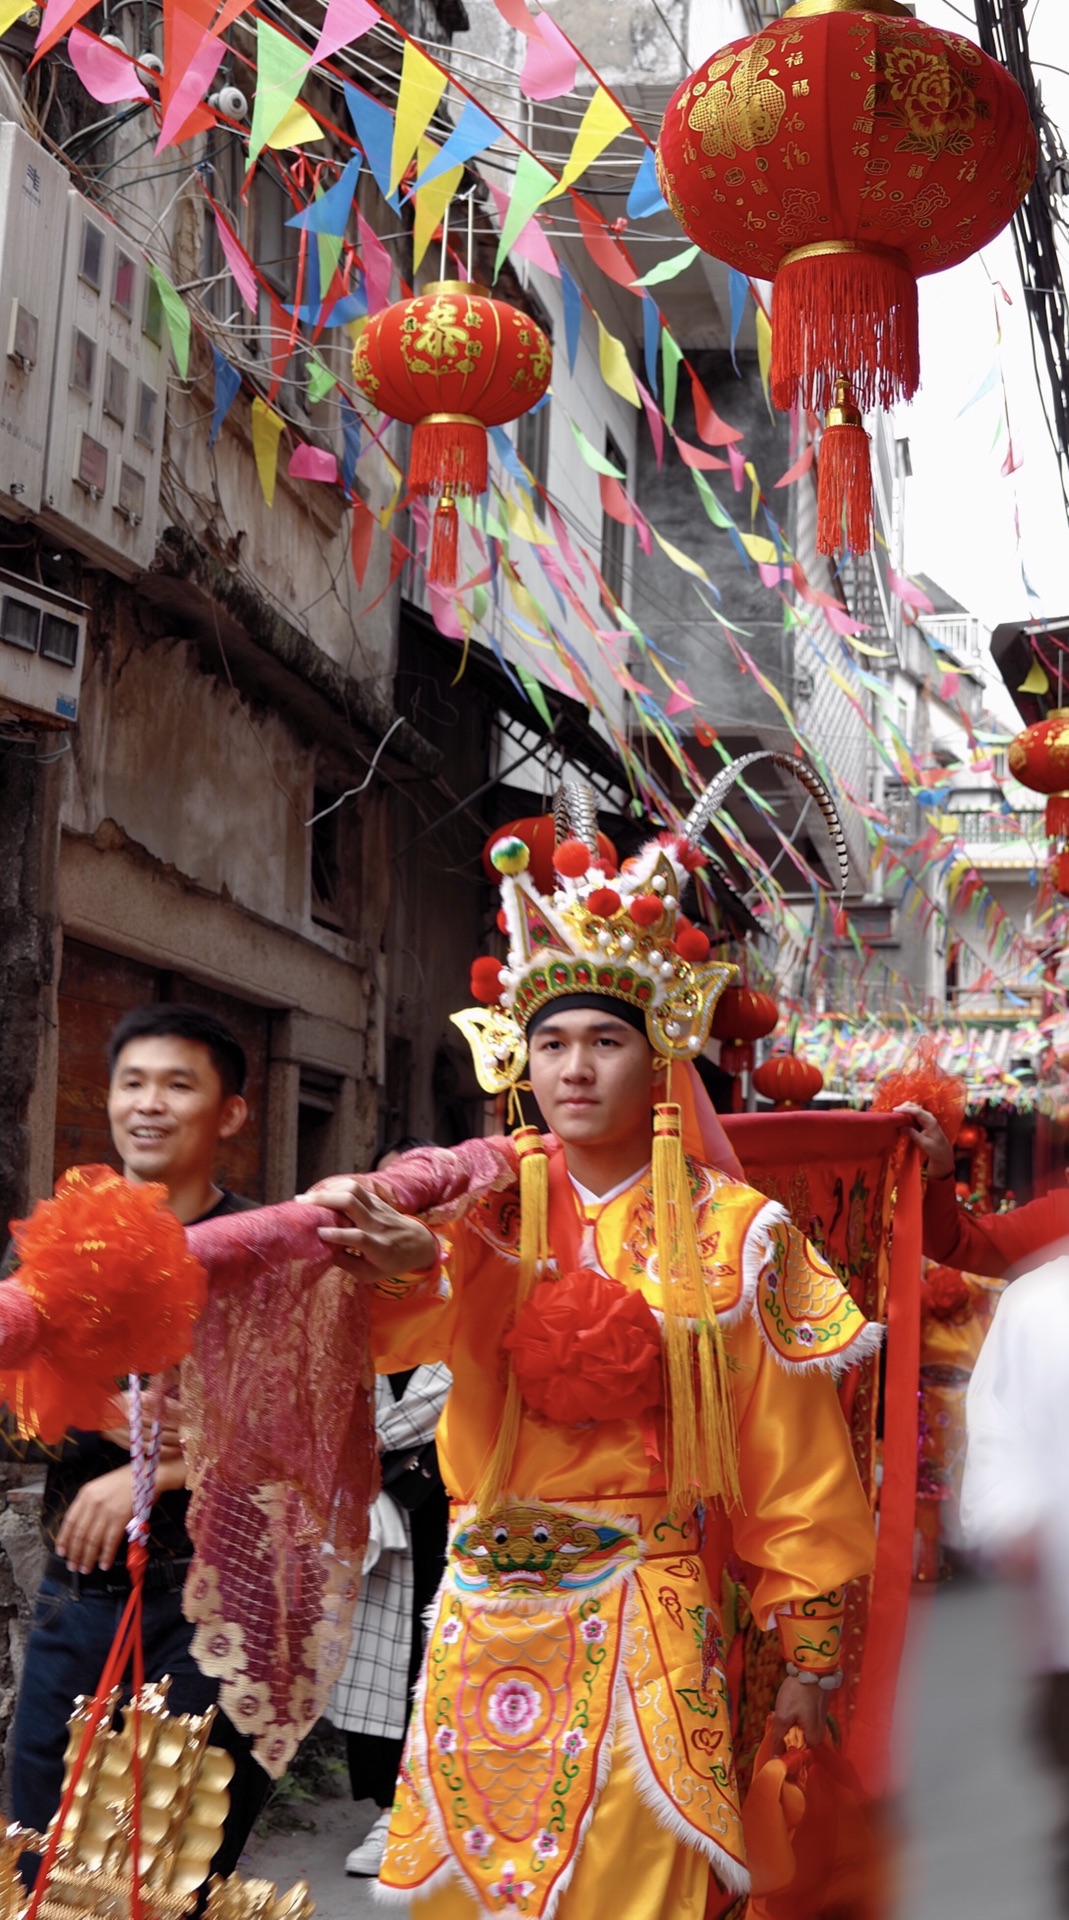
<point x="68" y="1646"/>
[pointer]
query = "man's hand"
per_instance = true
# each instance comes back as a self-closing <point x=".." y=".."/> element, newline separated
<point x="380" y="1240"/>
<point x="168" y="1417"/>
<point x="802" y="1706"/>
<point x="930" y="1138"/>
<point x="95" y="1521"/>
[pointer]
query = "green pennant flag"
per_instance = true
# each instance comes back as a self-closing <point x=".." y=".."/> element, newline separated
<point x="281" y="67"/>
<point x="530" y="185"/>
<point x="533" y="689"/>
<point x="709" y="501"/>
<point x="593" y="458"/>
<point x="668" y="269"/>
<point x="671" y="355"/>
<point x="176" y="314"/>
<point x="320" y="381"/>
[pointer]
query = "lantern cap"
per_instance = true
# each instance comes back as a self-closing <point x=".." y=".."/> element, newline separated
<point x="806" y="9"/>
<point x="454" y="286"/>
<point x="845" y="412"/>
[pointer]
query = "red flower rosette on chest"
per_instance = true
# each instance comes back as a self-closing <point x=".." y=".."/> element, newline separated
<point x="586" y="1348"/>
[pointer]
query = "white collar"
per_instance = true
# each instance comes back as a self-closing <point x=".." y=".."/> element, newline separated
<point x="590" y="1199"/>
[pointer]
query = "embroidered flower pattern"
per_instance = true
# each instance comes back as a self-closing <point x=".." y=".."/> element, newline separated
<point x="805" y="1333"/>
<point x="573" y="1743"/>
<point x="513" y="1707"/>
<point x="593" y="1630"/>
<point x="546" y="1847"/>
<point x="508" y="1888"/>
<point x="451" y="1632"/>
<point x="446" y="1740"/>
<point x="478" y="1842"/>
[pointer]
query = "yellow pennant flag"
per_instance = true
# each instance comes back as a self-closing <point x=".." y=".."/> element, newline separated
<point x="266" y="432"/>
<point x="522" y="522"/>
<point x="764" y="350"/>
<point x="760" y="549"/>
<point x="431" y="201"/>
<point x="615" y="365"/>
<point x="422" y="86"/>
<point x="600" y="124"/>
<point x="295" y="127"/>
<point x="678" y="559"/>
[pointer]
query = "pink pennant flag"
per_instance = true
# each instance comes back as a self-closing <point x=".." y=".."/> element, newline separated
<point x="312" y="463"/>
<point x="654" y="419"/>
<point x="104" y="72"/>
<point x="444" y="611"/>
<point x="346" y="21"/>
<point x="738" y="469"/>
<point x="516" y="15"/>
<point x="1013" y="459"/>
<point x="560" y="531"/>
<point x="549" y="69"/>
<point x="799" y="467"/>
<point x="239" y="263"/>
<point x="697" y="457"/>
<point x="680" y="700"/>
<point x="532" y="242"/>
<point x="190" y="90"/>
<point x="377" y="262"/>
<point x="614" y="500"/>
<point x="842" y="621"/>
<point x="714" y="431"/>
<point x="909" y="594"/>
<point x="58" y="16"/>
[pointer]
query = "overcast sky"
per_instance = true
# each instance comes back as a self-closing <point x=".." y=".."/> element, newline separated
<point x="960" y="526"/>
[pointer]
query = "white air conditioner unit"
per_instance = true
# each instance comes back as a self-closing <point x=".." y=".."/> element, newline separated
<point x="33" y="212"/>
<point x="105" y="436"/>
<point x="42" y="647"/>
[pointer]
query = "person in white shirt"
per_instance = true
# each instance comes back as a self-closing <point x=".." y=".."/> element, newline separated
<point x="1015" y="1496"/>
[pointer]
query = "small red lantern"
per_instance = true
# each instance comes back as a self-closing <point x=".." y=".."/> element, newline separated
<point x="969" y="1136"/>
<point x="742" y="1013"/>
<point x="788" y="1079"/>
<point x="841" y="152"/>
<point x="539" y="836"/>
<point x="1059" y="872"/>
<point x="451" y="362"/>
<point x="736" y="1056"/>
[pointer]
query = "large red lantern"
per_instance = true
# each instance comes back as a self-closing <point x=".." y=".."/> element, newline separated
<point x="842" y="152"/>
<point x="788" y="1079"/>
<point x="742" y="1013"/>
<point x="451" y="362"/>
<point x="539" y="836"/>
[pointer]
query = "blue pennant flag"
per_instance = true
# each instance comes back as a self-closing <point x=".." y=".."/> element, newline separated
<point x="645" y="197"/>
<point x="573" y="313"/>
<point x="309" y="312"/>
<point x="374" y="130"/>
<point x="473" y="131"/>
<point x="351" y="306"/>
<point x="350" y="440"/>
<point x="739" y="289"/>
<point x="651" y="329"/>
<point x="330" y="213"/>
<point x="508" y="457"/>
<point x="227" y="387"/>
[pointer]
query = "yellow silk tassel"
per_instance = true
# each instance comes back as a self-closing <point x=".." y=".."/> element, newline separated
<point x="703" y="1450"/>
<point x="534" y="1256"/>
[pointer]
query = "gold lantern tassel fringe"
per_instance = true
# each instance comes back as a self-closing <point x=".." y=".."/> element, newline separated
<point x="703" y="1447"/>
<point x="534" y="1260"/>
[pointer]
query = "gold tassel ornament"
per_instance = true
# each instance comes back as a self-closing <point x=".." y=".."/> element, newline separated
<point x="701" y="1430"/>
<point x="534" y="1261"/>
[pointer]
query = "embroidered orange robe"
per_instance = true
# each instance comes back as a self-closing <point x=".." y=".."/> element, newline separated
<point x="570" y="1752"/>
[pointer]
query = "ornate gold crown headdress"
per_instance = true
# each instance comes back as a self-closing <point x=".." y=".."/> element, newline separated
<point x="621" y="935"/>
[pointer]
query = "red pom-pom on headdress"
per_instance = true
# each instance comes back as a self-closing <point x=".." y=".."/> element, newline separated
<point x="928" y="1085"/>
<point x="106" y="1265"/>
<point x="947" y="1295"/>
<point x="486" y="979"/>
<point x="688" y="855"/>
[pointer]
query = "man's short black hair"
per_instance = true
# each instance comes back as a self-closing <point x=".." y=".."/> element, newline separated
<point x="405" y="1143"/>
<point x="178" y="1022"/>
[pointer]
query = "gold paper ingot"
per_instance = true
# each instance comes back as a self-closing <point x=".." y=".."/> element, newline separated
<point x="183" y="1807"/>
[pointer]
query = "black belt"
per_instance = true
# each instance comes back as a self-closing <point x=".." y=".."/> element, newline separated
<point x="161" y="1576"/>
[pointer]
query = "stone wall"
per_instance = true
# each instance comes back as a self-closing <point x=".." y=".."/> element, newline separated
<point x="22" y="1556"/>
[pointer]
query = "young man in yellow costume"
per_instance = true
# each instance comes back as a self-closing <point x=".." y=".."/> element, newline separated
<point x="642" y="1350"/>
